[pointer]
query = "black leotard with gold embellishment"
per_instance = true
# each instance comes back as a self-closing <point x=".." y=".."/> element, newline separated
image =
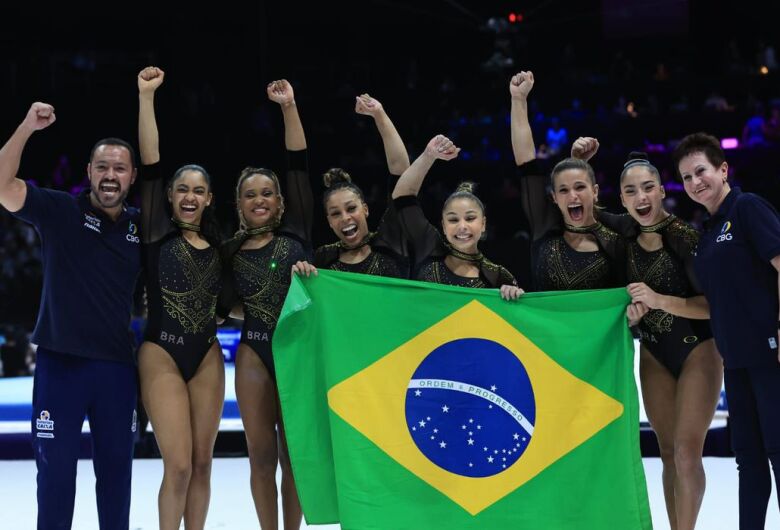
<point x="182" y="282"/>
<point x="554" y="264"/>
<point x="669" y="271"/>
<point x="389" y="255"/>
<point x="429" y="250"/>
<point x="261" y="277"/>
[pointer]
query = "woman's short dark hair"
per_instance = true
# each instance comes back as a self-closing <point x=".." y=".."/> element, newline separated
<point x="699" y="143"/>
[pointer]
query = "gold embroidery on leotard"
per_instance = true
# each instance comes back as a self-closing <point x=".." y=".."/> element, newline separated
<point x="655" y="270"/>
<point x="194" y="307"/>
<point x="266" y="281"/>
<point x="565" y="274"/>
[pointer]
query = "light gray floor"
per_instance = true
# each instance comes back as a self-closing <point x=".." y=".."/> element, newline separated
<point x="231" y="503"/>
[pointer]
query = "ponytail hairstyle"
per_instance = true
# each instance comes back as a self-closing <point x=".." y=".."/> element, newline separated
<point x="639" y="158"/>
<point x="336" y="179"/>
<point x="209" y="225"/>
<point x="572" y="163"/>
<point x="575" y="163"/>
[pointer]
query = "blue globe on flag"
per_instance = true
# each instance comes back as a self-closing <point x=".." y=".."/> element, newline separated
<point x="470" y="407"/>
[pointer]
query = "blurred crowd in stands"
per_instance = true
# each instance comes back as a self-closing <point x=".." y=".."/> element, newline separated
<point x="631" y="97"/>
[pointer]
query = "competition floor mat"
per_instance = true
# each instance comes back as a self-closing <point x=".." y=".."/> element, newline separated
<point x="231" y="502"/>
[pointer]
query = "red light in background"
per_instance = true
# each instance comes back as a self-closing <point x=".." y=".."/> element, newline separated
<point x="512" y="18"/>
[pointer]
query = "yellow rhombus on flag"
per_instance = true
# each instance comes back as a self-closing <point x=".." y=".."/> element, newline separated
<point x="569" y="410"/>
<point x="412" y="405"/>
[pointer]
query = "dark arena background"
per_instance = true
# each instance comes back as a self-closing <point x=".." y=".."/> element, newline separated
<point x="638" y="75"/>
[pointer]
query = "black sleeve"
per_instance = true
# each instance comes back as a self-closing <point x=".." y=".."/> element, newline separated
<point x="155" y="216"/>
<point x="228" y="296"/>
<point x="506" y="278"/>
<point x="622" y="224"/>
<point x="389" y="233"/>
<point x="682" y="244"/>
<point x="298" y="199"/>
<point x="423" y="239"/>
<point x="390" y="183"/>
<point x="690" y="272"/>
<point x="542" y="214"/>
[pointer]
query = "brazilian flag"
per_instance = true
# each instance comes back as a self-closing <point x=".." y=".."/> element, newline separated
<point x="409" y="405"/>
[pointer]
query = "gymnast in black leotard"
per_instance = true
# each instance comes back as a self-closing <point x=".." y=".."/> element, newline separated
<point x="667" y="270"/>
<point x="379" y="253"/>
<point x="180" y="363"/>
<point x="454" y="259"/>
<point x="182" y="280"/>
<point x="274" y="235"/>
<point x="261" y="272"/>
<point x="571" y="248"/>
<point x="680" y="368"/>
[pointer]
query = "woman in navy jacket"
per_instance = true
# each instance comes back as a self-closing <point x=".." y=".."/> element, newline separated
<point x="737" y="263"/>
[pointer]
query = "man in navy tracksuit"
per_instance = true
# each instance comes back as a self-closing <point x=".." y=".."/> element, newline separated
<point x="91" y="261"/>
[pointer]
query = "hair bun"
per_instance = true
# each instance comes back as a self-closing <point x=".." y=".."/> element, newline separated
<point x="467" y="187"/>
<point x="637" y="155"/>
<point x="636" y="158"/>
<point x="334" y="176"/>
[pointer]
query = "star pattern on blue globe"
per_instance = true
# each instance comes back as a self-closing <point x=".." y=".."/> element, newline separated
<point x="470" y="407"/>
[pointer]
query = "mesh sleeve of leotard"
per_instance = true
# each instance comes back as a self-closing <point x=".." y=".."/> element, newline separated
<point x="298" y="198"/>
<point x="682" y="239"/>
<point x="506" y="277"/>
<point x="621" y="223"/>
<point x="228" y="295"/>
<point x="389" y="232"/>
<point x="614" y="246"/>
<point x="423" y="239"/>
<point x="542" y="214"/>
<point x="155" y="215"/>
